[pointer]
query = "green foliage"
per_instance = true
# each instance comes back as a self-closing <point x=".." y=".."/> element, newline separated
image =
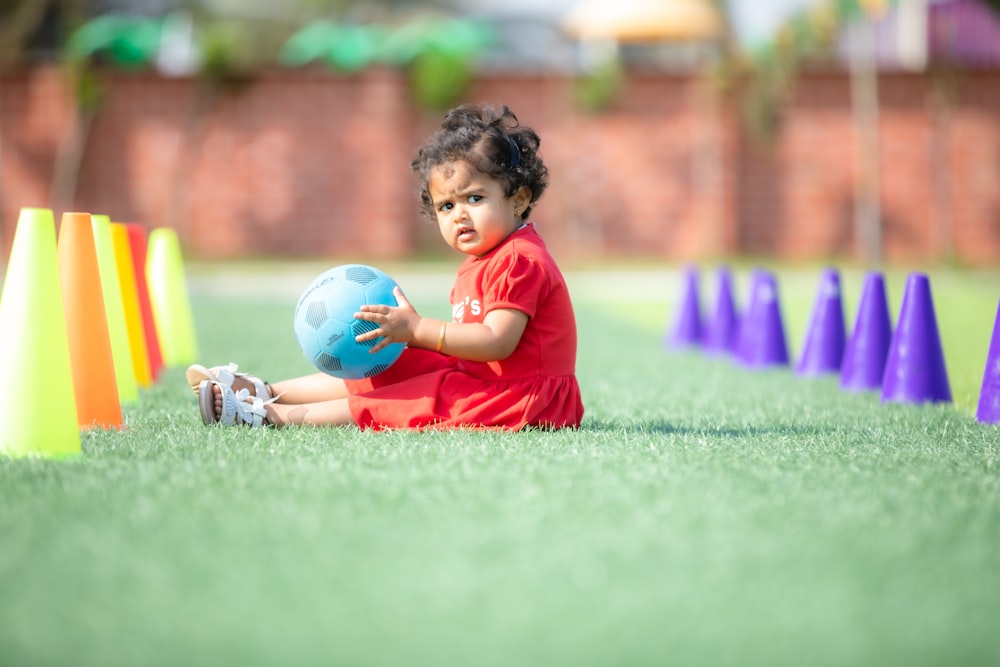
<point x="599" y="86"/>
<point x="127" y="41"/>
<point x="88" y="88"/>
<point x="229" y="54"/>
<point x="347" y="48"/>
<point x="439" y="79"/>
<point x="771" y="72"/>
<point x="440" y="56"/>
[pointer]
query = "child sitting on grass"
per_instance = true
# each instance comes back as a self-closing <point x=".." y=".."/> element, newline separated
<point x="507" y="359"/>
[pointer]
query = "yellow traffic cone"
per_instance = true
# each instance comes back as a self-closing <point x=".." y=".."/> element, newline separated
<point x="37" y="403"/>
<point x="128" y="390"/>
<point x="169" y="297"/>
<point x="130" y="301"/>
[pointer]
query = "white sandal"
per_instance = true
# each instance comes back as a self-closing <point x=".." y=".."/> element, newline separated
<point x="238" y="407"/>
<point x="225" y="376"/>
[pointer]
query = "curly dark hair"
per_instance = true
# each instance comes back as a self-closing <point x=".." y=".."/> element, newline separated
<point x="492" y="141"/>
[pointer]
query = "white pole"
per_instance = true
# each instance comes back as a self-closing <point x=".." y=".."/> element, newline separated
<point x="864" y="100"/>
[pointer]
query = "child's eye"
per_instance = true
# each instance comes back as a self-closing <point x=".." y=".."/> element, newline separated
<point x="445" y="207"/>
<point x="475" y="198"/>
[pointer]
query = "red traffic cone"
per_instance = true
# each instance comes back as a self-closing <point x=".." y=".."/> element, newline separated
<point x="137" y="241"/>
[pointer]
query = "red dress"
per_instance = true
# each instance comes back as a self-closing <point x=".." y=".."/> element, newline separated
<point x="535" y="386"/>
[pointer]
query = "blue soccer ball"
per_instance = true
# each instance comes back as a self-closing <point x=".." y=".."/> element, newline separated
<point x="325" y="324"/>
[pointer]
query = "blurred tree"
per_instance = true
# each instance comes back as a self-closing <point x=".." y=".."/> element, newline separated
<point x="439" y="54"/>
<point x="811" y="36"/>
<point x="19" y="19"/>
<point x="241" y="35"/>
<point x="37" y="28"/>
<point x="236" y="39"/>
<point x="770" y="72"/>
<point x="600" y="83"/>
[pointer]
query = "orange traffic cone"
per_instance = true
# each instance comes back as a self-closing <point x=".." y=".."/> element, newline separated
<point x="90" y="353"/>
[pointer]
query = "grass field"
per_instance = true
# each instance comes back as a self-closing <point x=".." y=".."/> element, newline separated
<point x="703" y="514"/>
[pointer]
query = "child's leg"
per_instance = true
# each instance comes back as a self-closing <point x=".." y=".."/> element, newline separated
<point x="323" y="413"/>
<point x="320" y="400"/>
<point x="305" y="389"/>
<point x="315" y="388"/>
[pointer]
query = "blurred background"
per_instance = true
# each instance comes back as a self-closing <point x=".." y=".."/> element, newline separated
<point x="850" y="130"/>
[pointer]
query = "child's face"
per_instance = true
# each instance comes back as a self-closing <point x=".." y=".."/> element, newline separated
<point x="473" y="213"/>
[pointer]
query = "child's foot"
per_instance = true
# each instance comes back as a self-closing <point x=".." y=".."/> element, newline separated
<point x="228" y="375"/>
<point x="220" y="404"/>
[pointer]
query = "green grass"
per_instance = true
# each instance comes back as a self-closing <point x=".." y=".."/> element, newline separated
<point x="704" y="514"/>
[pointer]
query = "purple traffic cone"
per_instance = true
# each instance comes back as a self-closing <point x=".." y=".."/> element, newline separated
<point x="720" y="335"/>
<point x="687" y="329"/>
<point x="762" y="333"/>
<point x="868" y="347"/>
<point x="915" y="371"/>
<point x="989" y="396"/>
<point x="825" y="338"/>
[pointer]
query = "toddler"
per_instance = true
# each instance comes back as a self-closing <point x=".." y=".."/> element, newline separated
<point x="506" y="359"/>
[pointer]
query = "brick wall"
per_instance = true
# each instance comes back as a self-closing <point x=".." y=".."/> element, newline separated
<point x="310" y="164"/>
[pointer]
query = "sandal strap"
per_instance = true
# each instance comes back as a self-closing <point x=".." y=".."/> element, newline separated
<point x="250" y="409"/>
<point x="226" y="375"/>
<point x="238" y="407"/>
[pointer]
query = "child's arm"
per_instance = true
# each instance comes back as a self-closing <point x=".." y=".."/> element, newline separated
<point x="494" y="339"/>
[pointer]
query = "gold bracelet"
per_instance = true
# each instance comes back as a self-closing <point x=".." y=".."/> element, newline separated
<point x="444" y="326"/>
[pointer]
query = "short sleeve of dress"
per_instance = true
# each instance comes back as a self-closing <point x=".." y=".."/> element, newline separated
<point x="517" y="282"/>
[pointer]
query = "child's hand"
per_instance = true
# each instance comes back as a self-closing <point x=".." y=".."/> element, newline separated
<point x="395" y="324"/>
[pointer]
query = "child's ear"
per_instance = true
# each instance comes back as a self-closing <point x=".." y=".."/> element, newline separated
<point x="521" y="199"/>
